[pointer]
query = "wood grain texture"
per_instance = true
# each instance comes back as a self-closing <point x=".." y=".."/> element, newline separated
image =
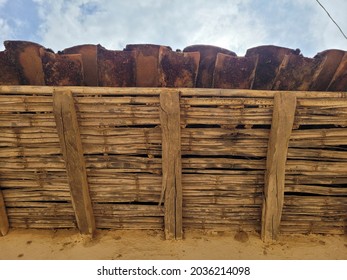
<point x="78" y="91"/>
<point x="281" y="129"/>
<point x="71" y="145"/>
<point x="171" y="163"/>
<point x="224" y="145"/>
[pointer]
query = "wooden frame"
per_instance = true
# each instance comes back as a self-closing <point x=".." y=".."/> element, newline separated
<point x="197" y="141"/>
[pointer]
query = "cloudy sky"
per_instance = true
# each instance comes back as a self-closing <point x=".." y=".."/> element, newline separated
<point x="233" y="24"/>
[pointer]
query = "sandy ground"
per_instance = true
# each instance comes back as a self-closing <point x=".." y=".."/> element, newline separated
<point x="144" y="244"/>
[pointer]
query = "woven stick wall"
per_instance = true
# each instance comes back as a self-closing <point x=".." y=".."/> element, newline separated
<point x="217" y="159"/>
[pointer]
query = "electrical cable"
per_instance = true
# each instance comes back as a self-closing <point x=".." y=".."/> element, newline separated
<point x="344" y="35"/>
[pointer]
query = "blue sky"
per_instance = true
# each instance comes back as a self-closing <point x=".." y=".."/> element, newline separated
<point x="233" y="24"/>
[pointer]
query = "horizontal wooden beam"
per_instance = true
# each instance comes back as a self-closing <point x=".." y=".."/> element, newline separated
<point x="208" y="92"/>
<point x="4" y="224"/>
<point x="71" y="146"/>
<point x="281" y="129"/>
<point x="171" y="163"/>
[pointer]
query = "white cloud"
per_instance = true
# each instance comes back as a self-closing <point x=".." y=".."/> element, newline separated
<point x="302" y="24"/>
<point x="5" y="31"/>
<point x="233" y="24"/>
<point x="4" y="27"/>
<point x="229" y="24"/>
<point x="3" y="2"/>
<point x="325" y="31"/>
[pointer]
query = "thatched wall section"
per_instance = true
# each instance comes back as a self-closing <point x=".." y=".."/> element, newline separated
<point x="224" y="138"/>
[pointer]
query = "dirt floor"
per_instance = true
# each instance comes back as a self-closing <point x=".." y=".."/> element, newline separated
<point x="145" y="244"/>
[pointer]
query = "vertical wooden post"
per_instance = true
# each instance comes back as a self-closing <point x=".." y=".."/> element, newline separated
<point x="171" y="163"/>
<point x="71" y="145"/>
<point x="4" y="224"/>
<point x="281" y="128"/>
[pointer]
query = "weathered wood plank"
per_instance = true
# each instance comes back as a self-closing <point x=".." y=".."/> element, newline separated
<point x="71" y="145"/>
<point x="171" y="163"/>
<point x="4" y="224"/>
<point x="185" y="92"/>
<point x="281" y="128"/>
